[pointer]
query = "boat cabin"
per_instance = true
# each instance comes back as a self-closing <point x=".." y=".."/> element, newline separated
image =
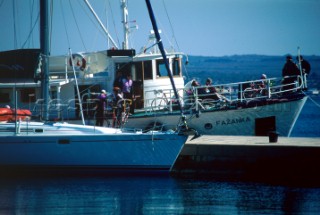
<point x="90" y="72"/>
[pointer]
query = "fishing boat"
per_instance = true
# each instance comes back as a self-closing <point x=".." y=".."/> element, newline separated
<point x="154" y="103"/>
<point x="244" y="112"/>
<point x="30" y="145"/>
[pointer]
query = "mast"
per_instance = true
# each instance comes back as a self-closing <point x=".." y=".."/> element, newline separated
<point x="163" y="53"/>
<point x="125" y="24"/>
<point x="184" y="127"/>
<point x="45" y="52"/>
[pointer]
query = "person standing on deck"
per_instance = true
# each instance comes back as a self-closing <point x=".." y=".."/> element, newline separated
<point x="127" y="90"/>
<point x="305" y="65"/>
<point x="290" y="72"/>
<point x="100" y="107"/>
<point x="118" y="81"/>
<point x="117" y="100"/>
<point x="127" y="87"/>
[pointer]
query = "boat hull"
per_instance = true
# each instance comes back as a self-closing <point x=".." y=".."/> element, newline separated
<point x="249" y="120"/>
<point x="90" y="151"/>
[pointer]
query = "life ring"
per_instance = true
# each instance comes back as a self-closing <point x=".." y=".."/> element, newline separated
<point x="78" y="61"/>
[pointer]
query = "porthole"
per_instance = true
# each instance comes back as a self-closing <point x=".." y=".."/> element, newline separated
<point x="208" y="126"/>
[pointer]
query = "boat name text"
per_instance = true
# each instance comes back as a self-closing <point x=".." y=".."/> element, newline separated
<point x="233" y="121"/>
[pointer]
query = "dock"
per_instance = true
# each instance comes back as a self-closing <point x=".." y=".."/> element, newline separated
<point x="249" y="157"/>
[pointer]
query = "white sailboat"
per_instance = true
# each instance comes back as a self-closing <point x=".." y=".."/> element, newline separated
<point x="47" y="146"/>
<point x="60" y="145"/>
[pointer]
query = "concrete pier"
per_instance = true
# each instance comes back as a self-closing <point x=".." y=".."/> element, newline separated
<point x="249" y="157"/>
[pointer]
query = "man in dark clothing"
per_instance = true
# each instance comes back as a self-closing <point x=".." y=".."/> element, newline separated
<point x="118" y="81"/>
<point x="305" y="65"/>
<point x="117" y="99"/>
<point x="305" y="68"/>
<point x="290" y="72"/>
<point x="100" y="107"/>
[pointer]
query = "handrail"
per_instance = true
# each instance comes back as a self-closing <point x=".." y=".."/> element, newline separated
<point x="234" y="92"/>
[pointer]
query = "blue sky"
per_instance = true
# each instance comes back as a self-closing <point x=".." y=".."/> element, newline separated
<point x="200" y="27"/>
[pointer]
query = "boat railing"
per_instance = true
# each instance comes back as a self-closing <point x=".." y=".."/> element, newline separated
<point x="226" y="95"/>
<point x="191" y="98"/>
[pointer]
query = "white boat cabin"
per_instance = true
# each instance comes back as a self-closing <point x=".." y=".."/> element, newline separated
<point x="93" y="72"/>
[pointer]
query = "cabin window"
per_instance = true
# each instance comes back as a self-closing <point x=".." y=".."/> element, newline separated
<point x="176" y="66"/>
<point x="138" y="68"/>
<point x="4" y="97"/>
<point x="27" y="95"/>
<point x="147" y="67"/>
<point x="161" y="69"/>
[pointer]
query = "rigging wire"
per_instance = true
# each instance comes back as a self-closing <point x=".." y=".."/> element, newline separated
<point x="31" y="31"/>
<point x="65" y="24"/>
<point x="170" y="24"/>
<point x="74" y="17"/>
<point x="15" y="42"/>
<point x="31" y="19"/>
<point x="131" y="29"/>
<point x="114" y="24"/>
<point x="174" y="37"/>
<point x="85" y="10"/>
<point x="51" y="26"/>
<point x="94" y="41"/>
<point x="107" y="21"/>
<point x="32" y="26"/>
<point x="314" y="101"/>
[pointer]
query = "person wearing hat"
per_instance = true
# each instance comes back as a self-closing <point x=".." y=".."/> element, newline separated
<point x="212" y="92"/>
<point x="290" y="72"/>
<point x="263" y="85"/>
<point x="195" y="84"/>
<point x="209" y="91"/>
<point x="100" y="107"/>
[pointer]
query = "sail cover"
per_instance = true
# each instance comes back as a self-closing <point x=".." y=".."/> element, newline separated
<point x="17" y="66"/>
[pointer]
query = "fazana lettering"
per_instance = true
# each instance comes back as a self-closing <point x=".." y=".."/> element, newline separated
<point x="233" y="121"/>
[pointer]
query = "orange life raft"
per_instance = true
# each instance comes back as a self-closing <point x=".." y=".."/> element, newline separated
<point x="7" y="114"/>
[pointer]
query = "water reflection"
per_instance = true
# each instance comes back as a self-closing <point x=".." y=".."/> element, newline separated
<point x="151" y="195"/>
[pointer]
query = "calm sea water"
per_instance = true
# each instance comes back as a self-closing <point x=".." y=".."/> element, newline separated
<point x="152" y="195"/>
<point x="162" y="194"/>
<point x="308" y="122"/>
